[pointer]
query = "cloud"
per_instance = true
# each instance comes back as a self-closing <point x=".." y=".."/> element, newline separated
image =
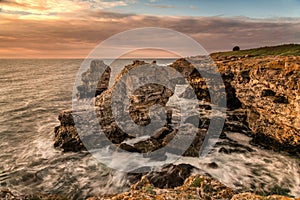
<point x="160" y="6"/>
<point x="76" y="34"/>
<point x="57" y="7"/>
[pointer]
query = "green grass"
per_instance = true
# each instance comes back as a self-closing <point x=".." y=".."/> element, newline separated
<point x="283" y="50"/>
<point x="150" y="190"/>
<point x="197" y="182"/>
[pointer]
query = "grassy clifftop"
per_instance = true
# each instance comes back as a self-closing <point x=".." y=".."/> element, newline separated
<point x="283" y="50"/>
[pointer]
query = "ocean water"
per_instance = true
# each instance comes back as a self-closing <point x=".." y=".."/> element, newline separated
<point x="33" y="92"/>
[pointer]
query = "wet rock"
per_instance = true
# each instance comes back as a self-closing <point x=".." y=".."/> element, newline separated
<point x="66" y="118"/>
<point x="129" y="148"/>
<point x="147" y="145"/>
<point x="66" y="136"/>
<point x="229" y="147"/>
<point x="161" y="133"/>
<point x="213" y="165"/>
<point x="195" y="147"/>
<point x="170" y="176"/>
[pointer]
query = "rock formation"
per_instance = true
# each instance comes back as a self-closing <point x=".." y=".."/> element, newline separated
<point x="93" y="85"/>
<point x="263" y="99"/>
<point x="269" y="89"/>
<point x="193" y="187"/>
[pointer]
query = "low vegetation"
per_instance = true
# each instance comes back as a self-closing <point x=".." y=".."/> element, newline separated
<point x="283" y="50"/>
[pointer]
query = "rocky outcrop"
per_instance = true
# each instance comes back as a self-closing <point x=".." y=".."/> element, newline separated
<point x="170" y="176"/>
<point x="66" y="136"/>
<point x="263" y="98"/>
<point x="142" y="99"/>
<point x="138" y="107"/>
<point x="172" y="182"/>
<point x="269" y="88"/>
<point x="193" y="187"/>
<point x="92" y="84"/>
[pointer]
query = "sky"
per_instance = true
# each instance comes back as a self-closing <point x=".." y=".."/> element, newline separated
<point x="73" y="28"/>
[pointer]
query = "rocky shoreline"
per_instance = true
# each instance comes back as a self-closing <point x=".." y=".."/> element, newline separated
<point x="266" y="89"/>
<point x="263" y="102"/>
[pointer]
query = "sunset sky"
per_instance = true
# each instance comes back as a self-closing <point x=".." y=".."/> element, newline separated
<point x="72" y="28"/>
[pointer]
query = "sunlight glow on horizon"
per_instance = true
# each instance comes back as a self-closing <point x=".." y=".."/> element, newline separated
<point x="72" y="28"/>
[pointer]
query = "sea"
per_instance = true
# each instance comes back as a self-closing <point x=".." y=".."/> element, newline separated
<point x="32" y="94"/>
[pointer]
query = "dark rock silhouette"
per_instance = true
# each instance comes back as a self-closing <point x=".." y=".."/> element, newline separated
<point x="236" y="48"/>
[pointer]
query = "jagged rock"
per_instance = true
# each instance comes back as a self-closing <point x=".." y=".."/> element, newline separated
<point x="193" y="77"/>
<point x="250" y="196"/>
<point x="66" y="136"/>
<point x="139" y="106"/>
<point x="270" y="92"/>
<point x="194" y="187"/>
<point x="213" y="165"/>
<point x="170" y="176"/>
<point x="95" y="80"/>
<point x="267" y="88"/>
<point x="194" y="149"/>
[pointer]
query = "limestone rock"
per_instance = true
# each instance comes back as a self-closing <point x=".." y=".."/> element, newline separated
<point x="66" y="136"/>
<point x="269" y="88"/>
<point x="95" y="80"/>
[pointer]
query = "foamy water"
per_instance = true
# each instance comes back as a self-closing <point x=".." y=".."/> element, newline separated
<point x="33" y="92"/>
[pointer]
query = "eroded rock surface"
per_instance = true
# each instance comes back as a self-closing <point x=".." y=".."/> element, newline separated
<point x="269" y="88"/>
<point x="263" y="101"/>
<point x="262" y="96"/>
<point x="95" y="80"/>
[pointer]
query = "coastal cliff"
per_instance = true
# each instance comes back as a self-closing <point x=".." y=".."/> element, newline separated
<point x="263" y="101"/>
<point x="269" y="89"/>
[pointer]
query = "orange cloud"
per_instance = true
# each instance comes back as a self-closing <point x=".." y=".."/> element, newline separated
<point x="75" y="33"/>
